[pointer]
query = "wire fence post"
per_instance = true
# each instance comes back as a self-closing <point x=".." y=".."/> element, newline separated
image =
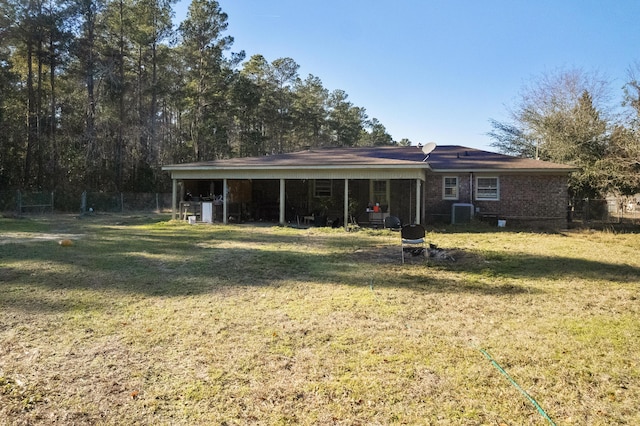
<point x="83" y="202"/>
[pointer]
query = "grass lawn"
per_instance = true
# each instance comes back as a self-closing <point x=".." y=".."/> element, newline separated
<point x="149" y="321"/>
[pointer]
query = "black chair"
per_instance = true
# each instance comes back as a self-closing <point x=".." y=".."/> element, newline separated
<point x="412" y="236"/>
<point x="392" y="223"/>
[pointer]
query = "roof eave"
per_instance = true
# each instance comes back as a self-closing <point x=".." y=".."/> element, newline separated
<point x="505" y="170"/>
<point x="181" y="167"/>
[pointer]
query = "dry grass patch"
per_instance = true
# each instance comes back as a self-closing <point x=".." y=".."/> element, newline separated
<point x="146" y="322"/>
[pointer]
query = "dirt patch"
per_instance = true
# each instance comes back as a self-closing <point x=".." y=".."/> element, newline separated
<point x="392" y="254"/>
<point x="34" y="237"/>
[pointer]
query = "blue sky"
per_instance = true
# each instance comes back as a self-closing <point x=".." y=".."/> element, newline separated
<point x="437" y="71"/>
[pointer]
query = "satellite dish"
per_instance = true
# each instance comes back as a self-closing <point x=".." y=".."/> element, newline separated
<point x="427" y="149"/>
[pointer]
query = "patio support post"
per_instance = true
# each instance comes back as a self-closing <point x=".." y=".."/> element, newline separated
<point x="174" y="198"/>
<point x="225" y="204"/>
<point x="282" y="201"/>
<point x="418" y="203"/>
<point x="346" y="203"/>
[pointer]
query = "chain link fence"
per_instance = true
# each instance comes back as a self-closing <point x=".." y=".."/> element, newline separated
<point x="606" y="211"/>
<point x="32" y="202"/>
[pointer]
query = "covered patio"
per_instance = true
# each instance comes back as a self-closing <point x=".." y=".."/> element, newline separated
<point x="320" y="187"/>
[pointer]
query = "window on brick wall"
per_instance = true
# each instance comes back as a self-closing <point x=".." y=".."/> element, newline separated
<point x="487" y="188"/>
<point x="450" y="187"/>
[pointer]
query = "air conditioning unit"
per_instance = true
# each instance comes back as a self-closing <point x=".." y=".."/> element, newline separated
<point x="461" y="213"/>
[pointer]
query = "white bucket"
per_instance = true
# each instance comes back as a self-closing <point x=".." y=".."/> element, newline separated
<point x="192" y="220"/>
<point x="502" y="223"/>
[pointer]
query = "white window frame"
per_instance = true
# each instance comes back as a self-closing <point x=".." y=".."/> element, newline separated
<point x="324" y="190"/>
<point x="482" y="191"/>
<point x="456" y="188"/>
<point x="375" y="194"/>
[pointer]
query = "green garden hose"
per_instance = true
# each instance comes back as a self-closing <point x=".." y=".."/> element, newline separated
<point x="517" y="386"/>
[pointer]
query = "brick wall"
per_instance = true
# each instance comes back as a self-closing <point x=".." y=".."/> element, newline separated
<point x="532" y="199"/>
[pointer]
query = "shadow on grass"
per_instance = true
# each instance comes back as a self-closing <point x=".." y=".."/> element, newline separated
<point x="486" y="227"/>
<point x="171" y="261"/>
<point x="522" y="265"/>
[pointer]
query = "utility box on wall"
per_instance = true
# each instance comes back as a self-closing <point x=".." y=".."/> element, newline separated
<point x="461" y="213"/>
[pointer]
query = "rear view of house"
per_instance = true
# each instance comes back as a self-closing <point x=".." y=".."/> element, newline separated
<point x="334" y="185"/>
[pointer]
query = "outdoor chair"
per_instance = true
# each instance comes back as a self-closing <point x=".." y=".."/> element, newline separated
<point x="393" y="223"/>
<point x="412" y="236"/>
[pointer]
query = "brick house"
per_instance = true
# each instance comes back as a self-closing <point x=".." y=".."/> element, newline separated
<point x="450" y="184"/>
<point x="498" y="186"/>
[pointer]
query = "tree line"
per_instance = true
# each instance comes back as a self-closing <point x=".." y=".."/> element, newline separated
<point x="101" y="93"/>
<point x="567" y="117"/>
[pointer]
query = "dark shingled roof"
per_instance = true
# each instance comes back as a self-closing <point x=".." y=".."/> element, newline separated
<point x="454" y="157"/>
<point x="322" y="157"/>
<point x="442" y="158"/>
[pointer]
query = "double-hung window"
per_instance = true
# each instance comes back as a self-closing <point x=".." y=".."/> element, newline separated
<point x="450" y="187"/>
<point x="379" y="192"/>
<point x="322" y="188"/>
<point x="487" y="188"/>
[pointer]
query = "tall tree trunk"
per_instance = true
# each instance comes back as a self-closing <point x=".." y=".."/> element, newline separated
<point x="39" y="142"/>
<point x="31" y="115"/>
<point x="120" y="141"/>
<point x="52" y="121"/>
<point x="142" y="126"/>
<point x="90" y="66"/>
<point x="153" y="110"/>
